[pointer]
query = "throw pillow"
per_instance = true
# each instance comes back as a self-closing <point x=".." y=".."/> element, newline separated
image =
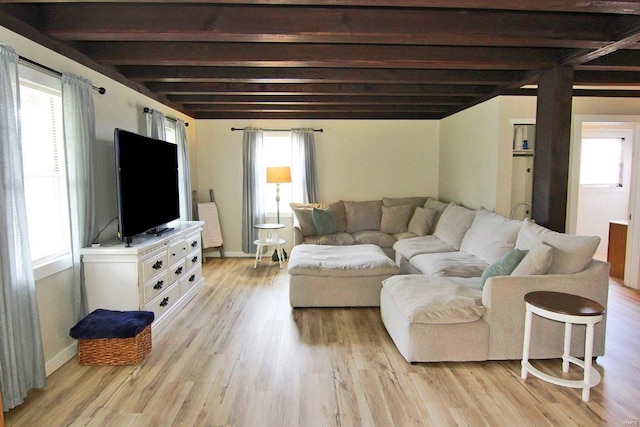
<point x="536" y="261"/>
<point x="571" y="253"/>
<point x="323" y="221"/>
<point x="401" y="201"/>
<point x="422" y="221"/>
<point x="438" y="206"/>
<point x="453" y="224"/>
<point x="363" y="215"/>
<point x="304" y="220"/>
<point x="395" y="219"/>
<point x="504" y="267"/>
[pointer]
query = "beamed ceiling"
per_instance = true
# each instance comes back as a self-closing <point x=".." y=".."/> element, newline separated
<point x="340" y="59"/>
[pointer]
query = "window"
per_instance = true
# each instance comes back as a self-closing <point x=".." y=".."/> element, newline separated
<point x="277" y="152"/>
<point x="45" y="178"/>
<point x="602" y="163"/>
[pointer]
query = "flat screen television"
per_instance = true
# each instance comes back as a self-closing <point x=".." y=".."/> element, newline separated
<point x="147" y="184"/>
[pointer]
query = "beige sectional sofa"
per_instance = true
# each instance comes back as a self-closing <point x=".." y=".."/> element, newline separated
<point x="464" y="274"/>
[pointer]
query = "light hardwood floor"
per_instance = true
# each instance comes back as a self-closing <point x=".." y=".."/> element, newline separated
<point x="239" y="355"/>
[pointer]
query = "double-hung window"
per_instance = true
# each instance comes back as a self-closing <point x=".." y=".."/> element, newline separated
<point x="276" y="152"/>
<point x="45" y="177"/>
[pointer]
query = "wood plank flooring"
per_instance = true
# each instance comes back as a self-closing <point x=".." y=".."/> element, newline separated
<point x="238" y="355"/>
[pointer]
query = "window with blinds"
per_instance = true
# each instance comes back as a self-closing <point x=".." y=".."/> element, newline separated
<point x="45" y="177"/>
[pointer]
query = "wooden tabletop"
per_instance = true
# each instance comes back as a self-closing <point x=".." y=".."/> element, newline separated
<point x="558" y="302"/>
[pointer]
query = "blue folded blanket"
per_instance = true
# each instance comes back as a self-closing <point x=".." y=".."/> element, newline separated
<point x="103" y="323"/>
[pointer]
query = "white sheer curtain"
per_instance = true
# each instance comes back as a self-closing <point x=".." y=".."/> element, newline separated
<point x="252" y="184"/>
<point x="21" y="357"/>
<point x="79" y="139"/>
<point x="186" y="209"/>
<point x="155" y="125"/>
<point x="303" y="166"/>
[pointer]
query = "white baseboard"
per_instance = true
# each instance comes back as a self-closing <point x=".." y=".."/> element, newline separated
<point x="61" y="358"/>
<point x="227" y="254"/>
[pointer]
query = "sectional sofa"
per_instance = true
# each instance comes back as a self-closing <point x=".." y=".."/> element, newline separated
<point x="464" y="275"/>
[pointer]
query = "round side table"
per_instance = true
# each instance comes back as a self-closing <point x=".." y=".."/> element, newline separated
<point x="572" y="310"/>
<point x="269" y="235"/>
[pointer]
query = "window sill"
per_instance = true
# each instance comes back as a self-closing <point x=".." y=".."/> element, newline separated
<point x="52" y="267"/>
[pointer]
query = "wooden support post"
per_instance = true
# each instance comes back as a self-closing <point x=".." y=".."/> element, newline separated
<point x="551" y="160"/>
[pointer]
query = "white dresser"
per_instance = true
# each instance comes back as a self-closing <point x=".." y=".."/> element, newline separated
<point x="157" y="273"/>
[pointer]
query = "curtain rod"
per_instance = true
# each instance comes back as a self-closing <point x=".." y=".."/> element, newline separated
<point x="150" y="110"/>
<point x="277" y="130"/>
<point x="100" y="90"/>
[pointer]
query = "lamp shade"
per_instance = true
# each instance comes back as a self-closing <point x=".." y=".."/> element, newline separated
<point x="278" y="174"/>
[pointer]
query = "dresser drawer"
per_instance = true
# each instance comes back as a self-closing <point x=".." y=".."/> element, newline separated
<point x="154" y="264"/>
<point x="177" y="270"/>
<point x="164" y="301"/>
<point x="177" y="250"/>
<point x="193" y="242"/>
<point x="192" y="277"/>
<point x="193" y="259"/>
<point x="156" y="286"/>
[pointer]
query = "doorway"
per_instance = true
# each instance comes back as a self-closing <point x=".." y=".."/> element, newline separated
<point x="604" y="189"/>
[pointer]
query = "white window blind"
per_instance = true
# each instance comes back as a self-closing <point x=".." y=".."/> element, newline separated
<point x="44" y="172"/>
<point x="602" y="162"/>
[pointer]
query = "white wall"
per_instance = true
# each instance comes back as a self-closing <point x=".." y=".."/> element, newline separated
<point x="119" y="107"/>
<point x="357" y="160"/>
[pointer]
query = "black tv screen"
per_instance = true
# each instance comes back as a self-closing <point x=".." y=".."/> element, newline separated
<point x="147" y="183"/>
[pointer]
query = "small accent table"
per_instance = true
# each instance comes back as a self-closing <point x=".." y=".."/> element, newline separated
<point x="269" y="235"/>
<point x="570" y="309"/>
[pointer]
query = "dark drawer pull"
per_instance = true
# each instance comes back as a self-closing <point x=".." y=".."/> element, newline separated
<point x="157" y="265"/>
<point x="194" y="259"/>
<point x="164" y="302"/>
<point x="192" y="278"/>
<point x="158" y="285"/>
<point x="194" y="243"/>
<point x="179" y="270"/>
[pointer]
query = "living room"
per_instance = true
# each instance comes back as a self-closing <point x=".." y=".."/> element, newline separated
<point x="465" y="157"/>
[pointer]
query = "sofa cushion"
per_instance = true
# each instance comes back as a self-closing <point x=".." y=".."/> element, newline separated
<point x="323" y="221"/>
<point x="395" y="219"/>
<point x="536" y="261"/>
<point x="449" y="264"/>
<point x="422" y="221"/>
<point x="423" y="299"/>
<point x="453" y="224"/>
<point x="405" y="235"/>
<point x="436" y="205"/>
<point x="504" y="266"/>
<point x="571" y="253"/>
<point x="374" y="237"/>
<point x="414" y="202"/>
<point x="409" y="248"/>
<point x="335" y="239"/>
<point x="337" y="209"/>
<point x="331" y="261"/>
<point x="363" y="215"/>
<point x="491" y="236"/>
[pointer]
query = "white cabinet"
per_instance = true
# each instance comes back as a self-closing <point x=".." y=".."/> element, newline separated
<point x="156" y="273"/>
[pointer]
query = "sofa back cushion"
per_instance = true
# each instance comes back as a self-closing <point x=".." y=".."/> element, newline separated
<point x="491" y="236"/>
<point x="438" y="206"/>
<point x="570" y="253"/>
<point x="453" y="224"/>
<point x="363" y="215"/>
<point x="422" y="221"/>
<point x="337" y="209"/>
<point x="414" y="202"/>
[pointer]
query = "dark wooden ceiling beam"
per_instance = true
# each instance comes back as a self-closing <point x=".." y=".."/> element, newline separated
<point x="286" y="24"/>
<point x="186" y="100"/>
<point x="580" y="6"/>
<point x="315" y="108"/>
<point x="317" y="89"/>
<point x="317" y="75"/>
<point x="315" y="55"/>
<point x="318" y="115"/>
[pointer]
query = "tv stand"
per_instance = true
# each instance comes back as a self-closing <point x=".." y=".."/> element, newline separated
<point x="158" y="273"/>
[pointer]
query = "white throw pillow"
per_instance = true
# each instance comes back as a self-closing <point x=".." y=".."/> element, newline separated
<point x="536" y="262"/>
<point x="491" y="236"/>
<point x="453" y="224"/>
<point x="571" y="253"/>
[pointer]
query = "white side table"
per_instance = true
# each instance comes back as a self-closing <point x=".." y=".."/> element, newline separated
<point x="269" y="235"/>
<point x="570" y="309"/>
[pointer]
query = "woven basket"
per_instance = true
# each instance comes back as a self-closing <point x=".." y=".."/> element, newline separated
<point x="115" y="351"/>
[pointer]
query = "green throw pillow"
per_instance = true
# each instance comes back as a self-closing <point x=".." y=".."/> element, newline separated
<point x="504" y="266"/>
<point x="323" y="221"/>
